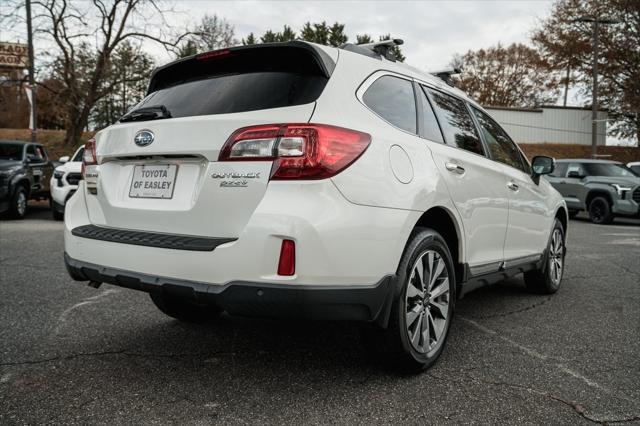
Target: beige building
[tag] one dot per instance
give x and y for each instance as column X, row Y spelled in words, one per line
column 553, row 124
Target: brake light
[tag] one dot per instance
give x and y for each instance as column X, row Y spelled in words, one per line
column 213, row 54
column 287, row 262
column 299, row 151
column 89, row 157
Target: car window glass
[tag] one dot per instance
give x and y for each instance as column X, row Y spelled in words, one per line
column 456, row 122
column 11, row 151
column 78, row 156
column 392, row 99
column 560, row 170
column 607, row 169
column 501, row 147
column 35, row 153
column 430, row 127
column 576, row 167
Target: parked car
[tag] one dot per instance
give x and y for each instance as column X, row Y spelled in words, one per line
column 25, row 171
column 635, row 166
column 64, row 182
column 319, row 183
column 605, row 189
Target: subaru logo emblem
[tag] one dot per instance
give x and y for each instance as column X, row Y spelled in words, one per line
column 144, row 137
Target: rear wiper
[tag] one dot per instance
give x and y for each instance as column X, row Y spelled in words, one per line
column 147, row 113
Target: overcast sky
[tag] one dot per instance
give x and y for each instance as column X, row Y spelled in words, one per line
column 432, row 30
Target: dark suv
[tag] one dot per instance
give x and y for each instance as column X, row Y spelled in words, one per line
column 25, row 171
column 604, row 189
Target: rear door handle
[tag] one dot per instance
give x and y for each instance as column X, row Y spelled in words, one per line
column 513, row 186
column 455, row 168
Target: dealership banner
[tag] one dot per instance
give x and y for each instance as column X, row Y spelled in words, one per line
column 14, row 55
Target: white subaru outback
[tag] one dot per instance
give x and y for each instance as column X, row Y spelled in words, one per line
column 299, row 180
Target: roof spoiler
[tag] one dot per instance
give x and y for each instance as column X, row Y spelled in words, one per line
column 445, row 75
column 324, row 62
column 375, row 50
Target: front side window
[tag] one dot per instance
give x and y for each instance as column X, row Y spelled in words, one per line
column 607, row 169
column 392, row 99
column 78, row 156
column 35, row 153
column 457, row 125
column 501, row 147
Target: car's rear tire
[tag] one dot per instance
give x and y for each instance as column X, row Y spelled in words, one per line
column 56, row 210
column 600, row 211
column 547, row 279
column 18, row 206
column 422, row 311
column 183, row 309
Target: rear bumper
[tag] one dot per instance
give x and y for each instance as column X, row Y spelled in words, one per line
column 370, row 303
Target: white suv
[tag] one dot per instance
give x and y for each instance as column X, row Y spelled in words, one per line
column 64, row 182
column 306, row 181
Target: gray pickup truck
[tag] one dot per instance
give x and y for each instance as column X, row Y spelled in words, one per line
column 604, row 189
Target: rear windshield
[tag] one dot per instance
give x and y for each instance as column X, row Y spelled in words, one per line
column 234, row 81
column 237, row 93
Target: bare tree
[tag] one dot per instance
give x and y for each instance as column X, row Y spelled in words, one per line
column 515, row 76
column 84, row 36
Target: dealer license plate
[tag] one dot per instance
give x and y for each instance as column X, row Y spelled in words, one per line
column 153, row 181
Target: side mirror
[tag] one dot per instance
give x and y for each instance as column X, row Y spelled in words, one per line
column 542, row 165
column 64, row 159
column 575, row 174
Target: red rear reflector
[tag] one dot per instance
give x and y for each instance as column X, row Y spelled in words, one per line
column 89, row 157
column 299, row 151
column 287, row 262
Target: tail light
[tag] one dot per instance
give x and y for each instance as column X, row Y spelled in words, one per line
column 299, row 151
column 287, row 262
column 89, row 157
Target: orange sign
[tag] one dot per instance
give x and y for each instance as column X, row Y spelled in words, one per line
column 14, row 55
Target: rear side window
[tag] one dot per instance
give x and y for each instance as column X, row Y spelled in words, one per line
column 456, row 122
column 560, row 170
column 430, row 128
column 501, row 147
column 392, row 99
column 235, row 81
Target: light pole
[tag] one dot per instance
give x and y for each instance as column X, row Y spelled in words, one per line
column 32, row 80
column 595, row 25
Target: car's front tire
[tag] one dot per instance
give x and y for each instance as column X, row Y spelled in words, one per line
column 18, row 206
column 422, row 311
column 183, row 309
column 547, row 279
column 573, row 213
column 600, row 211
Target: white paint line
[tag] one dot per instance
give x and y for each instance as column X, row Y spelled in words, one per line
column 534, row 354
column 524, row 349
column 62, row 319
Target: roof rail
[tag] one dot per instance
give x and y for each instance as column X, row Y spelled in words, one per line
column 375, row 50
column 445, row 75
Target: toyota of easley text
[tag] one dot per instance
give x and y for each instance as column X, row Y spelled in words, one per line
column 303, row 181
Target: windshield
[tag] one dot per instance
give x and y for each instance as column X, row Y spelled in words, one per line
column 608, row 169
column 78, row 156
column 11, row 152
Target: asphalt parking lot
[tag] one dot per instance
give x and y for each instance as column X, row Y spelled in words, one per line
column 76, row 355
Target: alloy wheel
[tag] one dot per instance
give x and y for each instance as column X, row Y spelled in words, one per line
column 427, row 301
column 21, row 203
column 556, row 256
